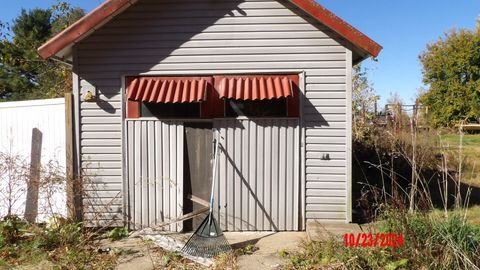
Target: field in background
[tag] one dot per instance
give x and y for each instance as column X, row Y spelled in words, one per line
column 470, row 153
column 471, row 165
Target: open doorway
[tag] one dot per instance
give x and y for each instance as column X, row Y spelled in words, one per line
column 198, row 158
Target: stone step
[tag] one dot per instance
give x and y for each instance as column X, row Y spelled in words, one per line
column 317, row 231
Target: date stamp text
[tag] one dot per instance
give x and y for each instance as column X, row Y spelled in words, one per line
column 373, row 240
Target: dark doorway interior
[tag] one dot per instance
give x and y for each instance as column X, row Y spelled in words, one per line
column 197, row 168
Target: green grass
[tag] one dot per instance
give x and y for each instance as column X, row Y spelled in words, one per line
column 471, row 166
column 472, row 214
column 468, row 139
column 470, row 153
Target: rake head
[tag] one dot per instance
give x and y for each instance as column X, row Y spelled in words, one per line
column 208, row 240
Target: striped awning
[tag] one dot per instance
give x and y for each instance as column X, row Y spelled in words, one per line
column 254, row 87
column 168, row 89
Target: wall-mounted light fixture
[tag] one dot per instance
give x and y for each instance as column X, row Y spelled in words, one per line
column 89, row 97
column 89, row 93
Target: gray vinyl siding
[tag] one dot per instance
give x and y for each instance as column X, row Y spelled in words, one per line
column 216, row 37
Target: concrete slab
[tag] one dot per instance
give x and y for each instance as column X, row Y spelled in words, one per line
column 266, row 256
column 175, row 242
column 140, row 263
column 135, row 253
column 317, row 231
column 268, row 243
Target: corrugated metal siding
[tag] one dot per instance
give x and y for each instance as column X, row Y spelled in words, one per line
column 205, row 37
column 259, row 175
column 254, row 88
column 168, row 90
column 155, row 172
column 258, row 179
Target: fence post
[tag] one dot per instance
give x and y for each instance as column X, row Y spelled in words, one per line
column 31, row 204
column 73, row 186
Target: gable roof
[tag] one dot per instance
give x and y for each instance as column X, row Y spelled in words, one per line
column 59, row 44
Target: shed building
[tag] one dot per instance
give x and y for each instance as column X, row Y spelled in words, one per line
column 152, row 79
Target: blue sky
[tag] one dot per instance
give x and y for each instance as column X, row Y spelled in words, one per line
column 403, row 28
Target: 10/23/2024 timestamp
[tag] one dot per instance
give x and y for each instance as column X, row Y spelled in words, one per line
column 373, row 240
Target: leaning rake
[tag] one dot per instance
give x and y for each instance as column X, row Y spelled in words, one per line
column 208, row 240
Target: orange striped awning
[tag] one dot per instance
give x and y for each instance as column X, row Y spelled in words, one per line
column 168, row 89
column 254, row 87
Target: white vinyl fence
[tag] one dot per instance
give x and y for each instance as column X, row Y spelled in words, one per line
column 17, row 119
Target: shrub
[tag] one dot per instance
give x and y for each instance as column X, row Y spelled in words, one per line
column 11, row 228
column 225, row 261
column 117, row 233
column 64, row 244
column 171, row 256
column 69, row 234
column 247, row 250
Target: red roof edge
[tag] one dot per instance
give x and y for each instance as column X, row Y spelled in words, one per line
column 110, row 7
column 340, row 26
column 82, row 26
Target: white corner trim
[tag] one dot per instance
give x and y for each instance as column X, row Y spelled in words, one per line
column 348, row 172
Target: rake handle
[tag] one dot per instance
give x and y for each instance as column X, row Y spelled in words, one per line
column 215, row 160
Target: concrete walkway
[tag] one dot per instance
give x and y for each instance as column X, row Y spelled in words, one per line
column 268, row 243
column 266, row 255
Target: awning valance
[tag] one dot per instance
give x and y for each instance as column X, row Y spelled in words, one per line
column 254, row 87
column 168, row 89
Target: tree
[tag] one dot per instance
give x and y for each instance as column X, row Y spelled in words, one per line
column 451, row 69
column 23, row 74
column 363, row 101
column 363, row 96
